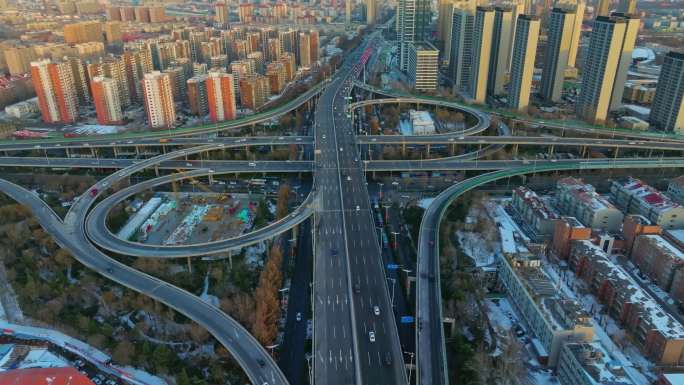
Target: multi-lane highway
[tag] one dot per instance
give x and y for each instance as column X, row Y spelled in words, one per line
column 355, row 338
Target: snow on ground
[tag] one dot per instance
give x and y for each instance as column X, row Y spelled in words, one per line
column 141, row 376
column 205, row 296
column 483, row 253
column 425, row 202
column 42, row 358
column 497, row 314
column 85, row 351
column 542, row 378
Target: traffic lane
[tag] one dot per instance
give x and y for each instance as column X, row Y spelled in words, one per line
column 224, row 166
column 172, row 296
column 94, row 142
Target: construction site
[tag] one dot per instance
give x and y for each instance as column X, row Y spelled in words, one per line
column 180, row 217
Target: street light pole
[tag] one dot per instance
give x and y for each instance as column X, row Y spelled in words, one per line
column 393, row 282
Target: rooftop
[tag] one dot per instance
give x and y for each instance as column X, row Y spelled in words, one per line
column 49, row 376
column 584, row 193
column 540, row 208
column 598, row 363
column 560, row 312
column 651, row 312
column 647, row 195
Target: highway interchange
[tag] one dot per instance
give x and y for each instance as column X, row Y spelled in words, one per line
column 349, row 278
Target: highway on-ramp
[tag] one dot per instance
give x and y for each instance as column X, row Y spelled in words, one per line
column 431, row 360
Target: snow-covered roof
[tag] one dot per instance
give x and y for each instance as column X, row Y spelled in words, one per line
column 584, row 193
column 538, row 206
column 646, row 195
column 597, row 363
column 665, row 246
column 651, row 312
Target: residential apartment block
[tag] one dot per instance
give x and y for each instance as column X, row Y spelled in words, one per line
column 590, row 364
column 636, row 197
column 552, row 319
column 538, row 216
column 580, row 200
column 654, row 331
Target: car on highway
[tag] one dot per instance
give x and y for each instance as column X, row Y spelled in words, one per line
column 348, row 177
column 298, row 317
column 261, row 362
column 357, row 288
column 376, row 310
column 251, row 164
column 358, row 208
column 371, row 336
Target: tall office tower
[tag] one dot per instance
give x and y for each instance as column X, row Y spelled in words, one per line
column 142, row 14
column 482, row 49
column 314, row 49
column 447, row 8
column 413, row 25
column 161, row 112
column 127, row 13
column 54, row 85
column 112, row 31
column 501, row 50
column 258, row 59
column 273, row 49
column 114, row 68
column 371, row 8
column 157, row 14
column 137, row 63
column 254, row 91
column 83, row 32
column 276, row 76
column 245, row 13
column 667, row 111
column 602, row 8
column 178, row 81
column 522, row 65
column 627, row 6
column 19, row 59
column 222, row 14
column 106, row 100
column 347, row 11
column 288, row 40
column 423, row 66
column 288, row 61
column 113, row 13
column 558, row 44
column 197, row 95
column 220, row 96
column 605, row 69
column 78, row 73
column 304, row 51
column 461, row 62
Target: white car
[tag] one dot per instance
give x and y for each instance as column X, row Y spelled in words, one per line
column 252, row 164
column 358, row 208
column 371, row 336
column 348, row 178
column 376, row 310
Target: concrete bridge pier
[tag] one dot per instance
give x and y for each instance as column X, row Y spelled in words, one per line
column 427, row 149
column 617, row 151
column 156, row 170
column 551, row 148
column 116, row 152
column 68, row 153
column 515, row 150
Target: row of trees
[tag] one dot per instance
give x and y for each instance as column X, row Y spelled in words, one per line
column 265, row 328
